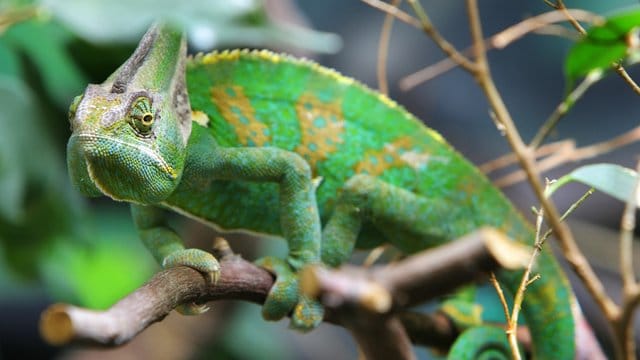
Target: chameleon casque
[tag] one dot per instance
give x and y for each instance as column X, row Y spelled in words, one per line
column 267, row 143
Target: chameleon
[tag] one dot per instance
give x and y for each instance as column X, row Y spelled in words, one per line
column 271, row 144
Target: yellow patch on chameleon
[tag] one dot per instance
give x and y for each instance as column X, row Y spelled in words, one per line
column 236, row 108
column 399, row 153
column 321, row 126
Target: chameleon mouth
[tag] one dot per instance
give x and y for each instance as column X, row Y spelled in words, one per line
column 90, row 142
column 121, row 170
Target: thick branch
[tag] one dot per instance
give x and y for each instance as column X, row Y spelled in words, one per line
column 419, row 278
column 364, row 298
column 239, row 280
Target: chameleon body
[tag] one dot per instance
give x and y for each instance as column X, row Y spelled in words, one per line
column 280, row 146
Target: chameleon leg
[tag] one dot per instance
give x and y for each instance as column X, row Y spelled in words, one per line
column 299, row 221
column 167, row 248
column 412, row 222
column 408, row 221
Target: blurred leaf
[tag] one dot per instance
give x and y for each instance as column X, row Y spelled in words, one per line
column 44, row 43
column 604, row 44
column 9, row 62
column 613, row 180
column 98, row 272
column 37, row 204
column 97, row 276
column 209, row 23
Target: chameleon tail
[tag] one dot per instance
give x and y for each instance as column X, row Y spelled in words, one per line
column 547, row 309
column 481, row 343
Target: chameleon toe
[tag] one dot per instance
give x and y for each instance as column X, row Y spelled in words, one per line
column 307, row 315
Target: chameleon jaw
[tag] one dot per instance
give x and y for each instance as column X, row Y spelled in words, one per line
column 122, row 170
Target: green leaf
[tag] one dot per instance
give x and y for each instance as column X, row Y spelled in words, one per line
column 613, row 180
column 37, row 204
column 45, row 43
column 209, row 23
column 603, row 45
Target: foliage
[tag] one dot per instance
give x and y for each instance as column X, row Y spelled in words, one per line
column 613, row 180
column 604, row 44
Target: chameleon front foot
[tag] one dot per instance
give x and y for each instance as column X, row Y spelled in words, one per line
column 284, row 298
column 197, row 259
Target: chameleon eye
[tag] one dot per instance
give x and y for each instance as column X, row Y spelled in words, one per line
column 141, row 115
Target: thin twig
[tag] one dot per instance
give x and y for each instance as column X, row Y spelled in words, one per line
column 627, row 225
column 383, row 50
column 620, row 70
column 560, row 152
column 497, row 41
column 564, row 107
column 571, row 208
column 395, row 12
column 630, row 288
column 574, row 255
column 503, row 300
column 439, row 40
column 524, row 283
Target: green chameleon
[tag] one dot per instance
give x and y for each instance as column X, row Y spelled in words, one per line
column 270, row 144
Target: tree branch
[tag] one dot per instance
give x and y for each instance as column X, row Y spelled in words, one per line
column 364, row 299
column 241, row 280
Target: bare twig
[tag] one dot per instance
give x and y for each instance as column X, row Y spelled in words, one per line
column 395, row 12
column 568, row 212
column 503, row 300
column 497, row 41
column 439, row 40
column 558, row 153
column 623, row 324
column 574, row 255
column 383, row 50
column 563, row 108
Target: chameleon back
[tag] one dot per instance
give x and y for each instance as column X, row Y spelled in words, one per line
column 343, row 128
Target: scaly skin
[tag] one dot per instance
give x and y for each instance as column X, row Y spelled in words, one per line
column 266, row 125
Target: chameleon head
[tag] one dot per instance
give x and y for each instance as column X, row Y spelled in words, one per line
column 130, row 133
column 128, row 146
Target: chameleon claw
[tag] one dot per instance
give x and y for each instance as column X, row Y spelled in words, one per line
column 214, row 276
column 192, row 309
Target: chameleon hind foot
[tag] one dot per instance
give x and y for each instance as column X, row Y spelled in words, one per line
column 284, row 298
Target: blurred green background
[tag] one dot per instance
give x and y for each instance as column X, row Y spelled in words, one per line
column 56, row 246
